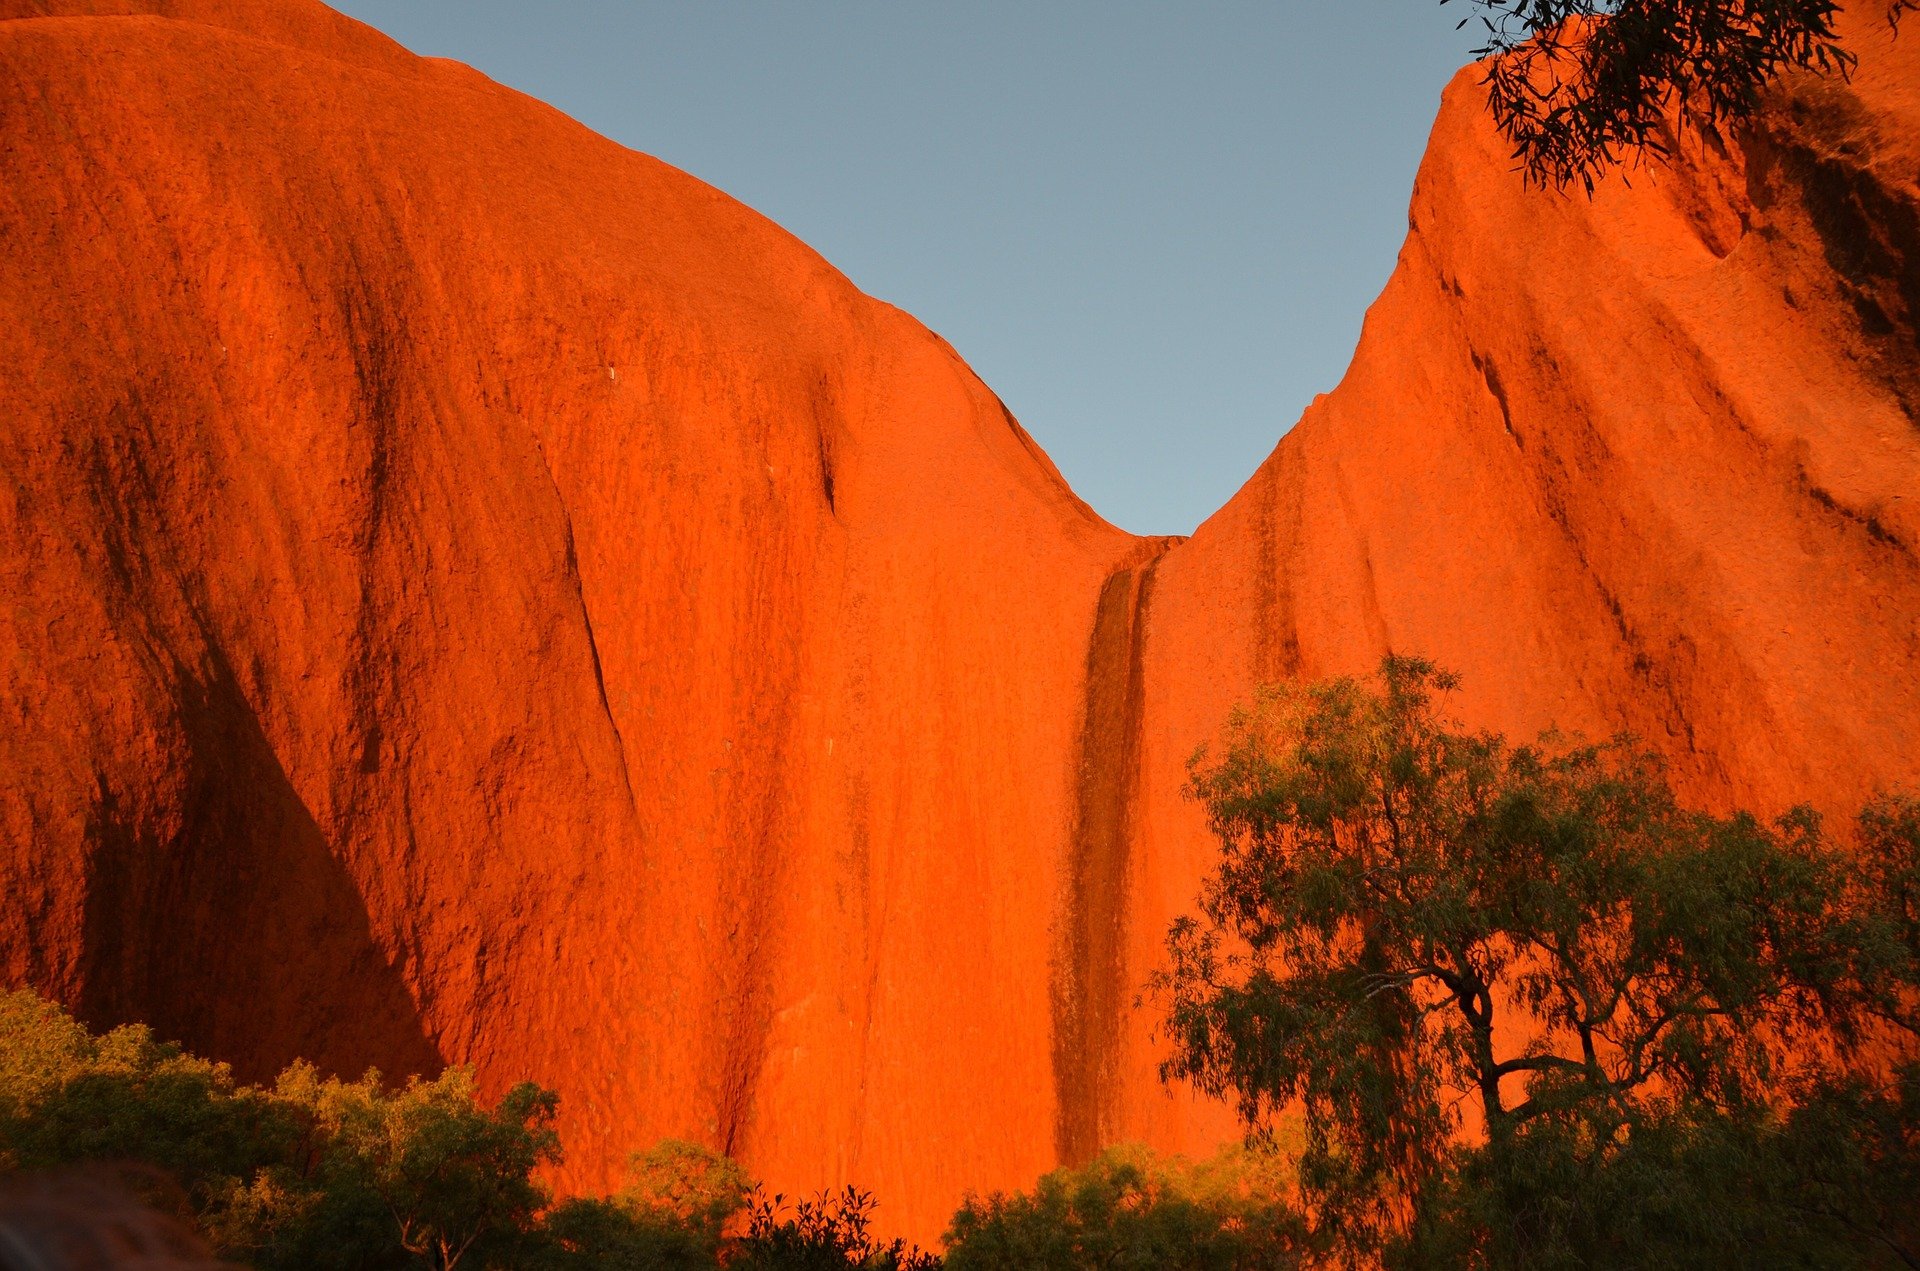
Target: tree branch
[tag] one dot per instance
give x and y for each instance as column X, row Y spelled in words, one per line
column 1537, row 1063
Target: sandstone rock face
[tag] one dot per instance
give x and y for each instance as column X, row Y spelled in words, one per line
column 1646, row 464
column 472, row 593
column 475, row 593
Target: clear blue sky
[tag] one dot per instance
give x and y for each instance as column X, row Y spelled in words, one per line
column 1152, row 227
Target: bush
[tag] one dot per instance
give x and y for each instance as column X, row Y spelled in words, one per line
column 827, row 1233
column 671, row 1215
column 310, row 1174
column 323, row 1174
column 428, row 1168
column 686, row 1187
column 68, row 1097
column 1128, row 1208
column 599, row 1234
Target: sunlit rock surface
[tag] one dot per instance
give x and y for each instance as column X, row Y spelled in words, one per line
column 472, row 593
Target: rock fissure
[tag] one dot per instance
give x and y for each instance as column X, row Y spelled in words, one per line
column 1090, row 984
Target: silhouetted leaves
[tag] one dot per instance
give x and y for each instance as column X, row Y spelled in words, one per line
column 1579, row 86
column 827, row 1233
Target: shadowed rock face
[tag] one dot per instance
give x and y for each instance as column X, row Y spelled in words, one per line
column 472, row 593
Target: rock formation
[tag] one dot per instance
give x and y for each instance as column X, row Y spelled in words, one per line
column 1646, row 464
column 473, row 593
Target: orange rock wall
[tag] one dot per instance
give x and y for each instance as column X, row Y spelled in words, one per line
column 473, row 593
column 1649, row 463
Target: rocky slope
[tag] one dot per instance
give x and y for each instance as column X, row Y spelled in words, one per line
column 473, row 593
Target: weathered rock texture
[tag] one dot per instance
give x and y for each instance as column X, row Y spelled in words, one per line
column 1649, row 463
column 473, row 593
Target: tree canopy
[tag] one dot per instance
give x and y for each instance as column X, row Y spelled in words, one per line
column 1495, row 975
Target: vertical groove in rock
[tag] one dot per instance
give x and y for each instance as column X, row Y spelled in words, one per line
column 1089, row 975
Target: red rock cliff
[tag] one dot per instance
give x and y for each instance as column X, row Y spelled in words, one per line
column 474, row 593
column 1649, row 463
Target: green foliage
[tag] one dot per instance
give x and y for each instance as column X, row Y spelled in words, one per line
column 68, row 1097
column 828, row 1233
column 1409, row 915
column 672, row 1214
column 1827, row 1182
column 1580, row 85
column 317, row 1173
column 428, row 1168
column 684, row 1185
column 1887, row 887
column 596, row 1234
column 1676, row 1036
column 310, row 1174
column 1130, row 1209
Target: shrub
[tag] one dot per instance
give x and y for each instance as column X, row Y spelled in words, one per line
column 827, row 1233
column 428, row 1168
column 68, row 1097
column 310, row 1174
column 1128, row 1208
column 671, row 1215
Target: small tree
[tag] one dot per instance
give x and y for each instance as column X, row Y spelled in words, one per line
column 1410, row 918
column 453, row 1176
